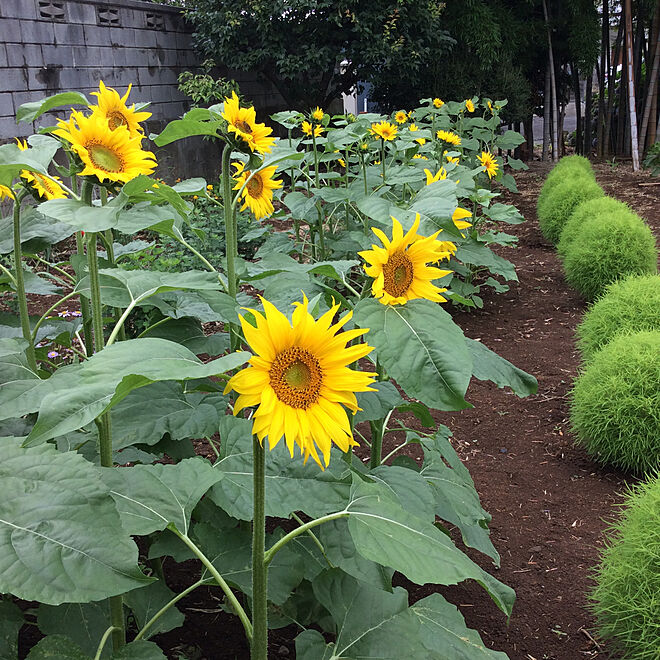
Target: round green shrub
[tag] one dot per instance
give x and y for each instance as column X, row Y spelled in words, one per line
column 556, row 205
column 575, row 161
column 606, row 248
column 629, row 305
column 626, row 599
column 615, row 403
column 559, row 174
column 583, row 213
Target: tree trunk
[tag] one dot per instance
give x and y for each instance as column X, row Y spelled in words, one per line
column 578, row 109
column 611, row 80
column 553, row 86
column 547, row 114
column 651, row 101
column 630, row 61
column 529, row 136
column 604, row 66
column 588, row 102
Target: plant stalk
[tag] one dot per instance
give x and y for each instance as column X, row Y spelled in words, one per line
column 259, row 647
column 230, row 237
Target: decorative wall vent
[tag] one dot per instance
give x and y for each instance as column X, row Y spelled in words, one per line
column 53, row 11
column 155, row 21
column 107, row 16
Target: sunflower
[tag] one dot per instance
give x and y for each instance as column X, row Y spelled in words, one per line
column 438, row 176
column 299, row 379
column 400, row 269
column 108, row 155
column 413, row 127
column 469, row 106
column 42, row 185
column 458, row 218
column 489, row 163
column 421, row 141
column 114, row 110
column 451, row 159
column 258, row 193
column 307, row 129
column 364, row 146
column 384, row 130
column 6, row 192
column 317, row 114
column 420, row 157
column 449, row 137
column 243, row 123
column 438, row 103
column 401, row 117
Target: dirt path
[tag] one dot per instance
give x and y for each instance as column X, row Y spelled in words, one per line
column 549, row 502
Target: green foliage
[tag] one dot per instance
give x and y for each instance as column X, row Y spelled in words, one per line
column 556, row 204
column 625, row 600
column 629, row 305
column 606, row 248
column 574, row 160
column 203, row 88
column 615, row 405
column 652, row 160
column 584, row 212
column 384, row 36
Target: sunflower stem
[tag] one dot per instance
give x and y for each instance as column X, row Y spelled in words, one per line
column 20, row 286
column 109, row 240
column 230, row 238
column 382, row 156
column 85, row 310
column 259, row 647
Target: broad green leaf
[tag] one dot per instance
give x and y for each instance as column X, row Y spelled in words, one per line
column 516, row 164
column 146, row 602
column 455, row 497
column 151, row 497
column 384, row 532
column 479, row 254
column 39, row 285
column 140, row 650
column 288, row 118
column 37, row 232
column 183, row 128
column 190, row 186
column 57, row 647
column 61, row 538
column 148, row 413
column 408, row 488
column 76, row 394
column 509, row 182
column 121, row 288
column 488, row 365
column 34, row 109
column 376, row 405
column 83, row 623
column 504, row 213
column 291, row 485
column 509, row 140
column 311, row 645
column 206, row 306
column 300, row 205
column 11, row 621
column 79, row 215
column 13, row 160
column 144, row 215
column 421, row 348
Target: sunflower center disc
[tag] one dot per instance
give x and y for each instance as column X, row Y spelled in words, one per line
column 397, row 274
column 296, row 377
column 105, row 158
column 243, row 126
column 115, row 120
column 255, row 186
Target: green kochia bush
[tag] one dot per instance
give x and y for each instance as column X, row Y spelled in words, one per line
column 600, row 206
column 608, row 247
column 615, row 406
column 630, row 305
column 556, row 205
column 626, row 600
column 563, row 172
column 579, row 162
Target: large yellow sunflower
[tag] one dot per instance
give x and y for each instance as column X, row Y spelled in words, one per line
column 438, row 176
column 6, row 192
column 43, row 185
column 258, row 193
column 469, row 105
column 307, row 129
column 299, row 379
column 489, row 163
column 438, row 103
column 449, row 137
column 384, row 130
column 401, row 117
column 243, row 122
column 400, row 269
column 114, row 110
column 108, row 155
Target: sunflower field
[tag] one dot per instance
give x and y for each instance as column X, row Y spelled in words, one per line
column 310, row 348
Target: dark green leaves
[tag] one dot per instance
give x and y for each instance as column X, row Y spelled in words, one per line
column 34, row 109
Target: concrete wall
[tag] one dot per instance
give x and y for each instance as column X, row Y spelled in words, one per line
column 49, row 46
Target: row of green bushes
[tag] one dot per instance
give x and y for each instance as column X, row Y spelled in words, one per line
column 609, row 255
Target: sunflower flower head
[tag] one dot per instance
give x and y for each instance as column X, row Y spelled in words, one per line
column 317, row 114
column 307, row 129
column 451, row 159
column 438, row 103
column 438, row 176
column 401, row 117
column 420, row 157
column 449, row 137
column 384, row 130
column 413, row 127
column 6, row 192
column 489, row 163
column 113, row 109
column 243, row 123
column 109, row 155
column 401, row 269
column 43, row 186
column 299, row 380
column 469, row 106
column 458, row 218
column 257, row 194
